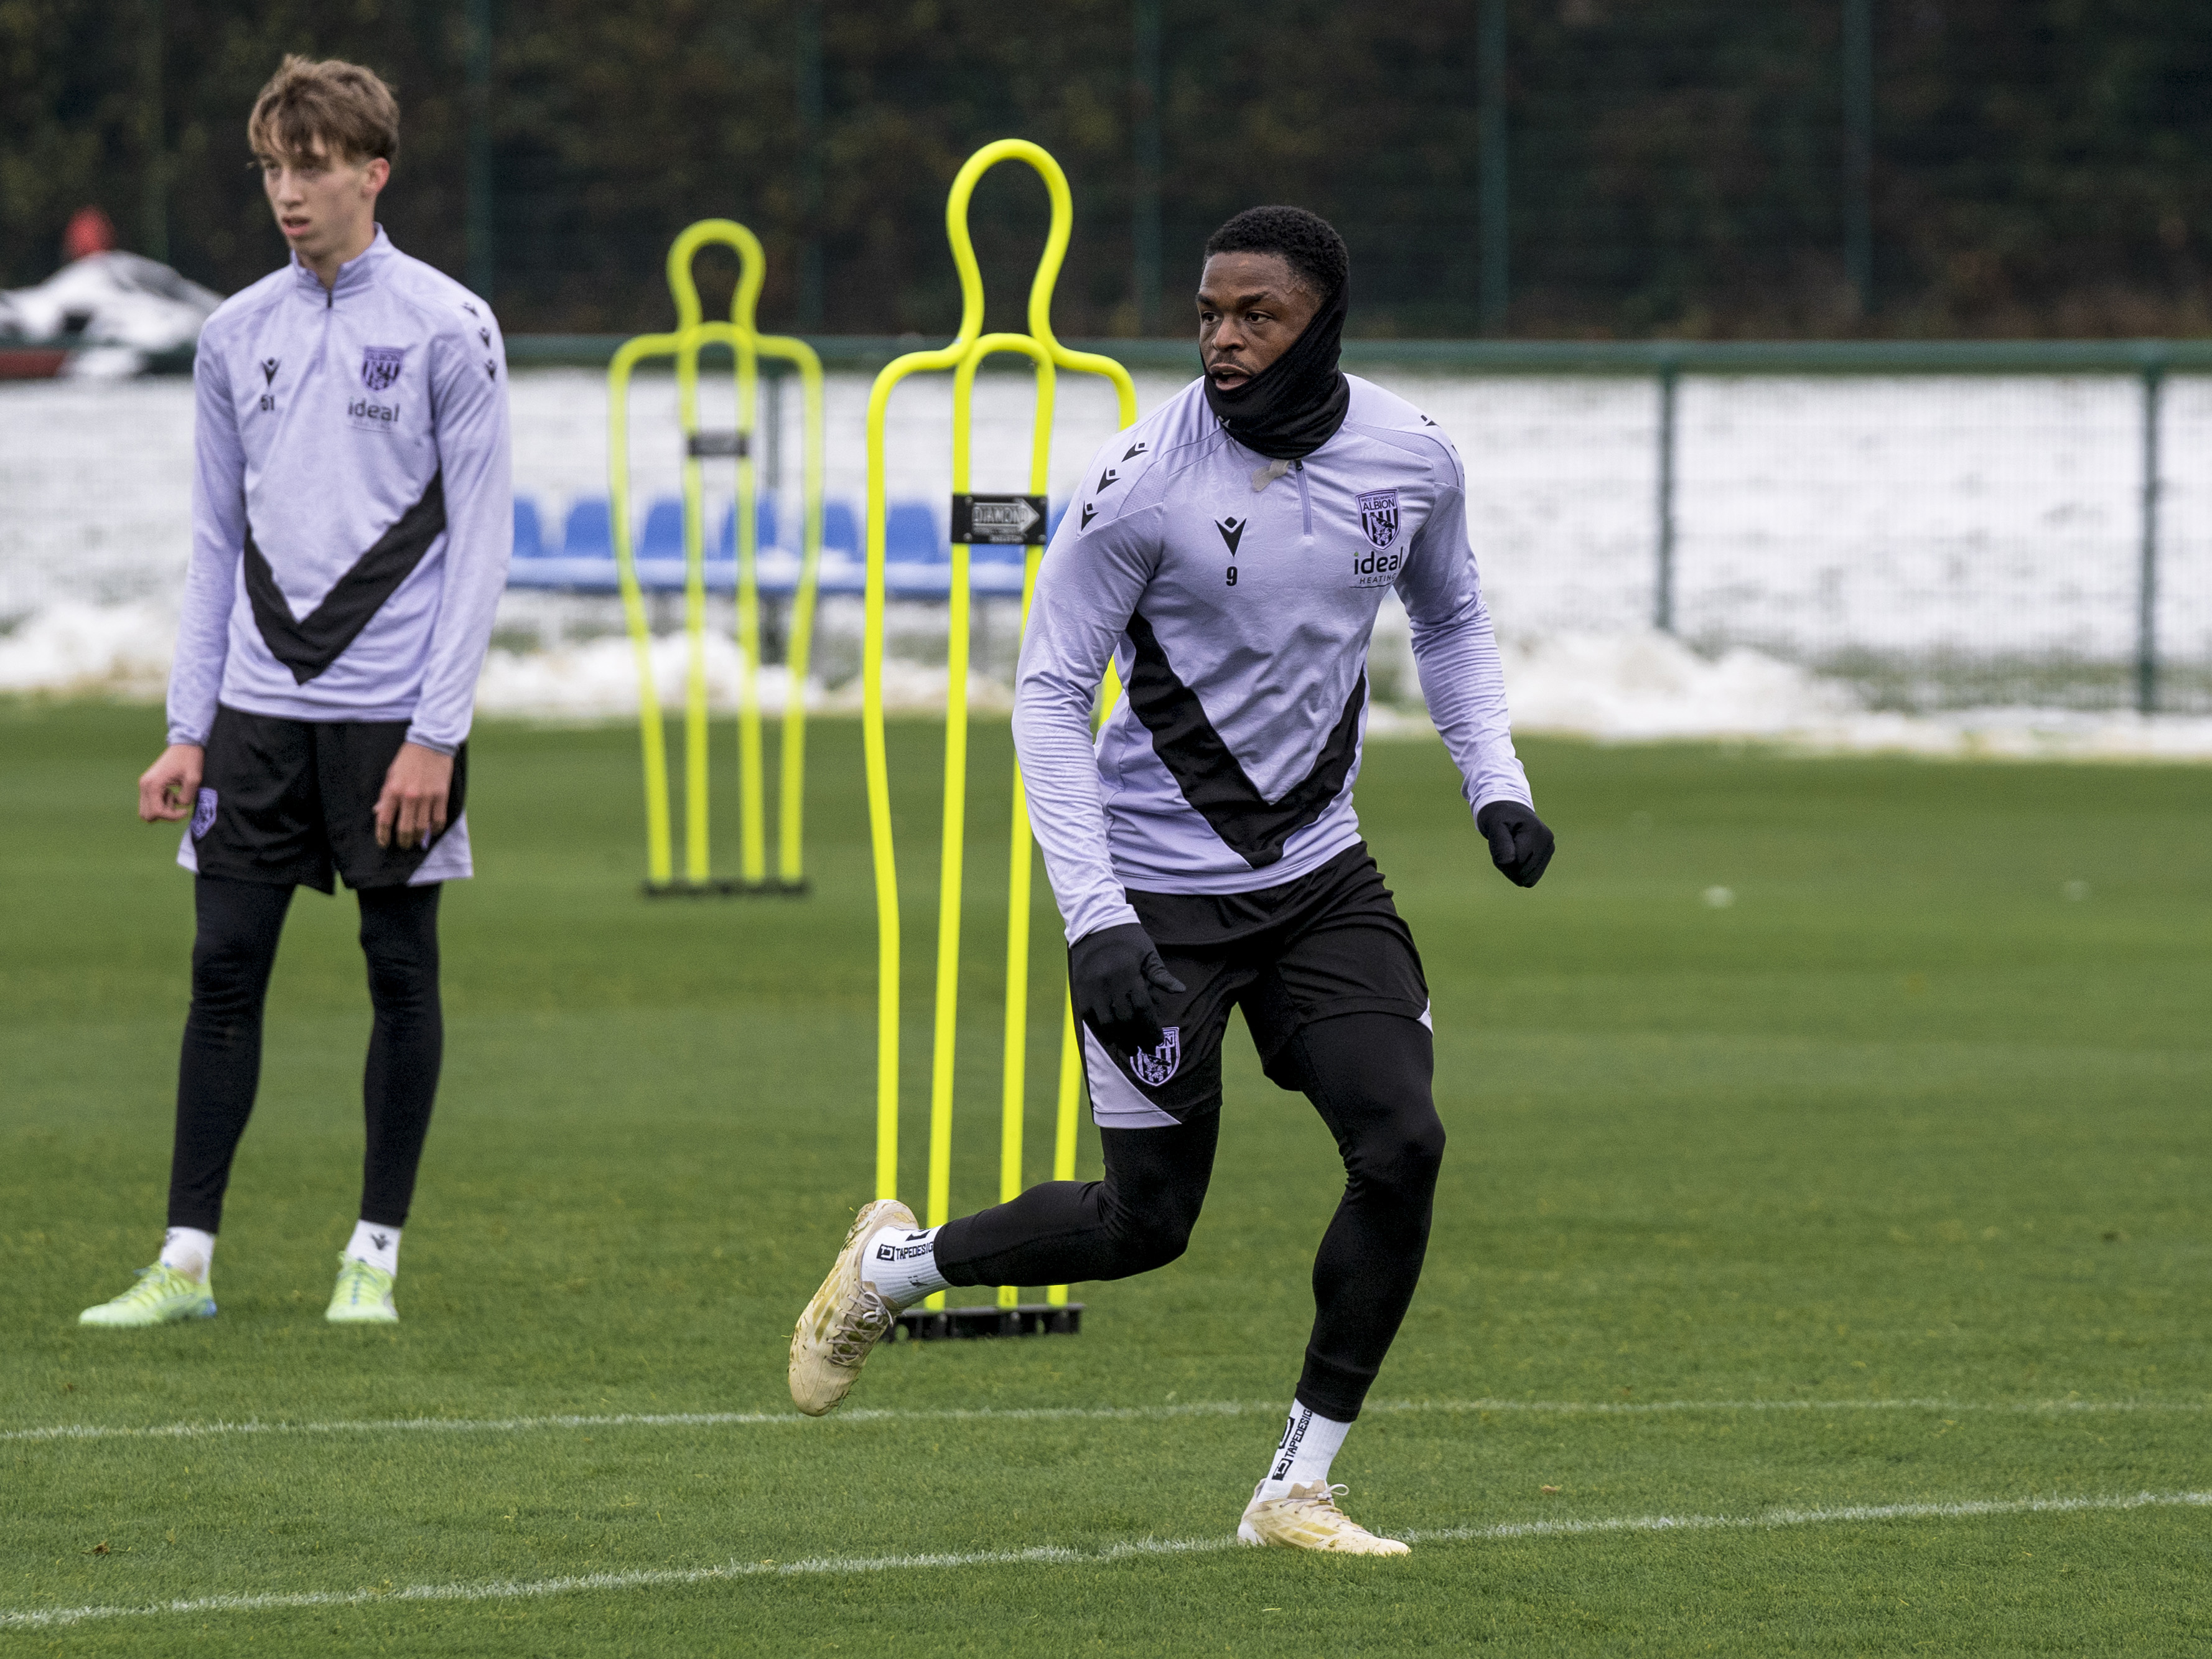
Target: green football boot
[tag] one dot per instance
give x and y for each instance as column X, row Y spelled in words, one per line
column 363, row 1296
column 161, row 1294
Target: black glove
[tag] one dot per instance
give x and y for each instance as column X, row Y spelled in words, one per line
column 1114, row 973
column 1520, row 845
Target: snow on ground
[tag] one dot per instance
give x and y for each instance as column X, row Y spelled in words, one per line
column 594, row 679
column 1903, row 518
column 1647, row 686
column 75, row 648
column 1630, row 686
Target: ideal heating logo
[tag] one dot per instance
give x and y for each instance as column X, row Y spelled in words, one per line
column 367, row 411
column 1379, row 517
column 1376, row 569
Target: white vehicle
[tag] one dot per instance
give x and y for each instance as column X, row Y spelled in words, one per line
column 111, row 311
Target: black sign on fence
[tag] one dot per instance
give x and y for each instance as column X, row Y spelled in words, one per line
column 998, row 520
column 706, row 444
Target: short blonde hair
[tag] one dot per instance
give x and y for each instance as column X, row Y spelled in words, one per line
column 342, row 109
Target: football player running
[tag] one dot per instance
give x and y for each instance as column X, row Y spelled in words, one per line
column 352, row 523
column 1228, row 554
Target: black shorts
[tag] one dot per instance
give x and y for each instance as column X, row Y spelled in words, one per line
column 1329, row 943
column 287, row 802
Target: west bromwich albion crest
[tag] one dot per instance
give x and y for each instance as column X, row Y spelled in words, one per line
column 380, row 367
column 1153, row 1067
column 1378, row 516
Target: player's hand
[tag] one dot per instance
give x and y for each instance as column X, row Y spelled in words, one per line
column 1114, row 972
column 411, row 809
column 1520, row 845
column 168, row 789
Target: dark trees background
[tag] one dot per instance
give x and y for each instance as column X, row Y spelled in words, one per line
column 2041, row 167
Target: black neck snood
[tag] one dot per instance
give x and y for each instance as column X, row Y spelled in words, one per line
column 1294, row 405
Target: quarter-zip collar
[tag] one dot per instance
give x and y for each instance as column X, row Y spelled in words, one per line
column 1264, row 475
column 355, row 276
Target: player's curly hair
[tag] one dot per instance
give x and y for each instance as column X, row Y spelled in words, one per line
column 1308, row 242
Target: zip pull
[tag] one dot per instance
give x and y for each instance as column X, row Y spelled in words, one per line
column 1268, row 475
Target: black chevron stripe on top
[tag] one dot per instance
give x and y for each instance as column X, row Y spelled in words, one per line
column 1212, row 778
column 313, row 643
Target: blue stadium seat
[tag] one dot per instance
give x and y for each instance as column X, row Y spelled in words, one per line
column 725, row 545
column 529, row 538
column 841, row 528
column 587, row 535
column 910, row 535
column 664, row 530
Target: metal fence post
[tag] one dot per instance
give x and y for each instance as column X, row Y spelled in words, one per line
column 807, row 78
column 772, row 434
column 1858, row 151
column 1144, row 225
column 1662, row 600
column 153, row 195
column 1492, row 227
column 478, row 222
column 2154, row 382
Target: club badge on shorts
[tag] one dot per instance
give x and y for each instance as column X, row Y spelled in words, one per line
column 380, row 366
column 1378, row 517
column 203, row 813
column 1155, row 1066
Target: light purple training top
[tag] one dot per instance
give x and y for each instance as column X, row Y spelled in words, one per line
column 352, row 512
column 1235, row 597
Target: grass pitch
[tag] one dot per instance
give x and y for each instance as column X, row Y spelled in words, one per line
column 1824, row 1270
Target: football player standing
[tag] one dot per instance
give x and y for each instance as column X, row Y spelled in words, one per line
column 352, row 523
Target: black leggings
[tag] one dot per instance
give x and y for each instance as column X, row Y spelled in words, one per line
column 240, row 923
column 1369, row 1075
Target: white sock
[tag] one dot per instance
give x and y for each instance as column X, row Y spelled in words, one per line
column 377, row 1245
column 188, row 1250
column 1310, row 1444
column 903, row 1265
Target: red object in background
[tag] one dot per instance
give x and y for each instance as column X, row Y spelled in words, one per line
column 90, row 231
column 40, row 364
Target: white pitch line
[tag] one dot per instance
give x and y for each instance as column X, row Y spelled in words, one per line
column 507, row 1589
column 1058, row 1414
column 632, row 1420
